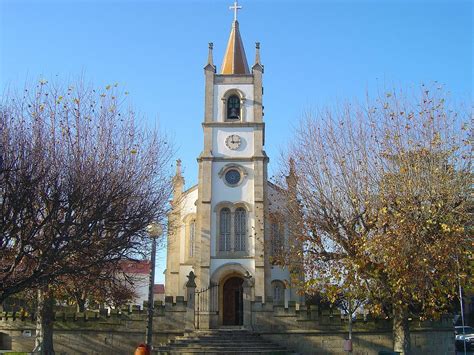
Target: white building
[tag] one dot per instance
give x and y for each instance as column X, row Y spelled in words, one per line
column 226, row 227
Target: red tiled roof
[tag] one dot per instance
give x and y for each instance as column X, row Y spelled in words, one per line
column 158, row 288
column 135, row 267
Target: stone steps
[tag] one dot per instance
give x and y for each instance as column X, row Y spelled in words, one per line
column 221, row 341
column 222, row 345
column 218, row 342
column 222, row 352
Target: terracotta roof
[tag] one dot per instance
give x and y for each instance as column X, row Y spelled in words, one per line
column 158, row 288
column 135, row 267
column 235, row 61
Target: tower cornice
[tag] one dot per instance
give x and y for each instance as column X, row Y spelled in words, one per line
column 233, row 79
column 234, row 124
column 262, row 157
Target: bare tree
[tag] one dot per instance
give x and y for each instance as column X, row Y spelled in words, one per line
column 384, row 191
column 98, row 287
column 79, row 182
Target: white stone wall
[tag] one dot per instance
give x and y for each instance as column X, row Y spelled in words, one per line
column 188, row 206
column 241, row 193
column 140, row 286
column 220, row 149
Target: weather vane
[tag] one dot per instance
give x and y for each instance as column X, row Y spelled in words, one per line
column 236, row 7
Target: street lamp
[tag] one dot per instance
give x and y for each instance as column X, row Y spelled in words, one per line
column 154, row 231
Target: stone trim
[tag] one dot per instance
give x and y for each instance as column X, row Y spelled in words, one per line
column 191, row 189
column 234, row 159
column 234, row 124
column 231, row 205
column 243, row 173
column 232, row 256
column 227, row 270
column 233, row 79
column 225, row 98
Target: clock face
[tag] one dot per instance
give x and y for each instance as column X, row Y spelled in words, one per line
column 233, row 142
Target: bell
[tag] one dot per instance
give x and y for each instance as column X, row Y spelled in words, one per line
column 234, row 113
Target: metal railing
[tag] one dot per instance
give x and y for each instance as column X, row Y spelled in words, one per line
column 206, row 303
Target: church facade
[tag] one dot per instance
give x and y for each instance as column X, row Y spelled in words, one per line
column 228, row 227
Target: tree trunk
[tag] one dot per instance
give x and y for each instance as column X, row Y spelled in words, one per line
column 350, row 329
column 351, row 308
column 401, row 331
column 44, row 323
column 81, row 305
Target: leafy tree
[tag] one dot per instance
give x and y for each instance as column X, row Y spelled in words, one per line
column 383, row 191
column 79, row 183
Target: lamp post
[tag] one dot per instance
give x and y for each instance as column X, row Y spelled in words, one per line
column 154, row 231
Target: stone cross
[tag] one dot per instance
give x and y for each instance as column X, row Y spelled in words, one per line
column 236, row 8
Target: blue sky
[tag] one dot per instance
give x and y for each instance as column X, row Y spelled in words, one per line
column 316, row 53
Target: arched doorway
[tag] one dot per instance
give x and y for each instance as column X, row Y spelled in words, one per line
column 233, row 302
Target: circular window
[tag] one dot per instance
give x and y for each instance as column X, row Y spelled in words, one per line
column 232, row 177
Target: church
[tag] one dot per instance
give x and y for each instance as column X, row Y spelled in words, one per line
column 228, row 228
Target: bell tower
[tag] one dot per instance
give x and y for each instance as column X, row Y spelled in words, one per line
column 232, row 180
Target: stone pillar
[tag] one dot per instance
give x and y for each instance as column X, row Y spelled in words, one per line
column 190, row 294
column 248, row 298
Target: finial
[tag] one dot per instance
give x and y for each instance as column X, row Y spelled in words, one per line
column 291, row 178
column 236, row 8
column 191, row 277
column 257, row 52
column 178, row 182
column 209, row 57
column 178, row 167
column 292, row 166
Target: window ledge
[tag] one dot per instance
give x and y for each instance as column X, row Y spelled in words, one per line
column 232, row 255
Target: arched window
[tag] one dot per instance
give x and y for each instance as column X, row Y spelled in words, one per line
column 224, row 231
column 233, row 108
column 277, row 238
column 240, row 229
column 278, row 292
column 192, row 238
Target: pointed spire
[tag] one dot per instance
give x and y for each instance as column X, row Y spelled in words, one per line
column 178, row 182
column 178, row 167
column 257, row 53
column 291, row 178
column 210, row 61
column 258, row 65
column 209, row 56
column 235, row 61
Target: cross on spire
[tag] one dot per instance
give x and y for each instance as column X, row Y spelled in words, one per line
column 236, row 7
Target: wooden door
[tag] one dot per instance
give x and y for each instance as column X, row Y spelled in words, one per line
column 233, row 301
